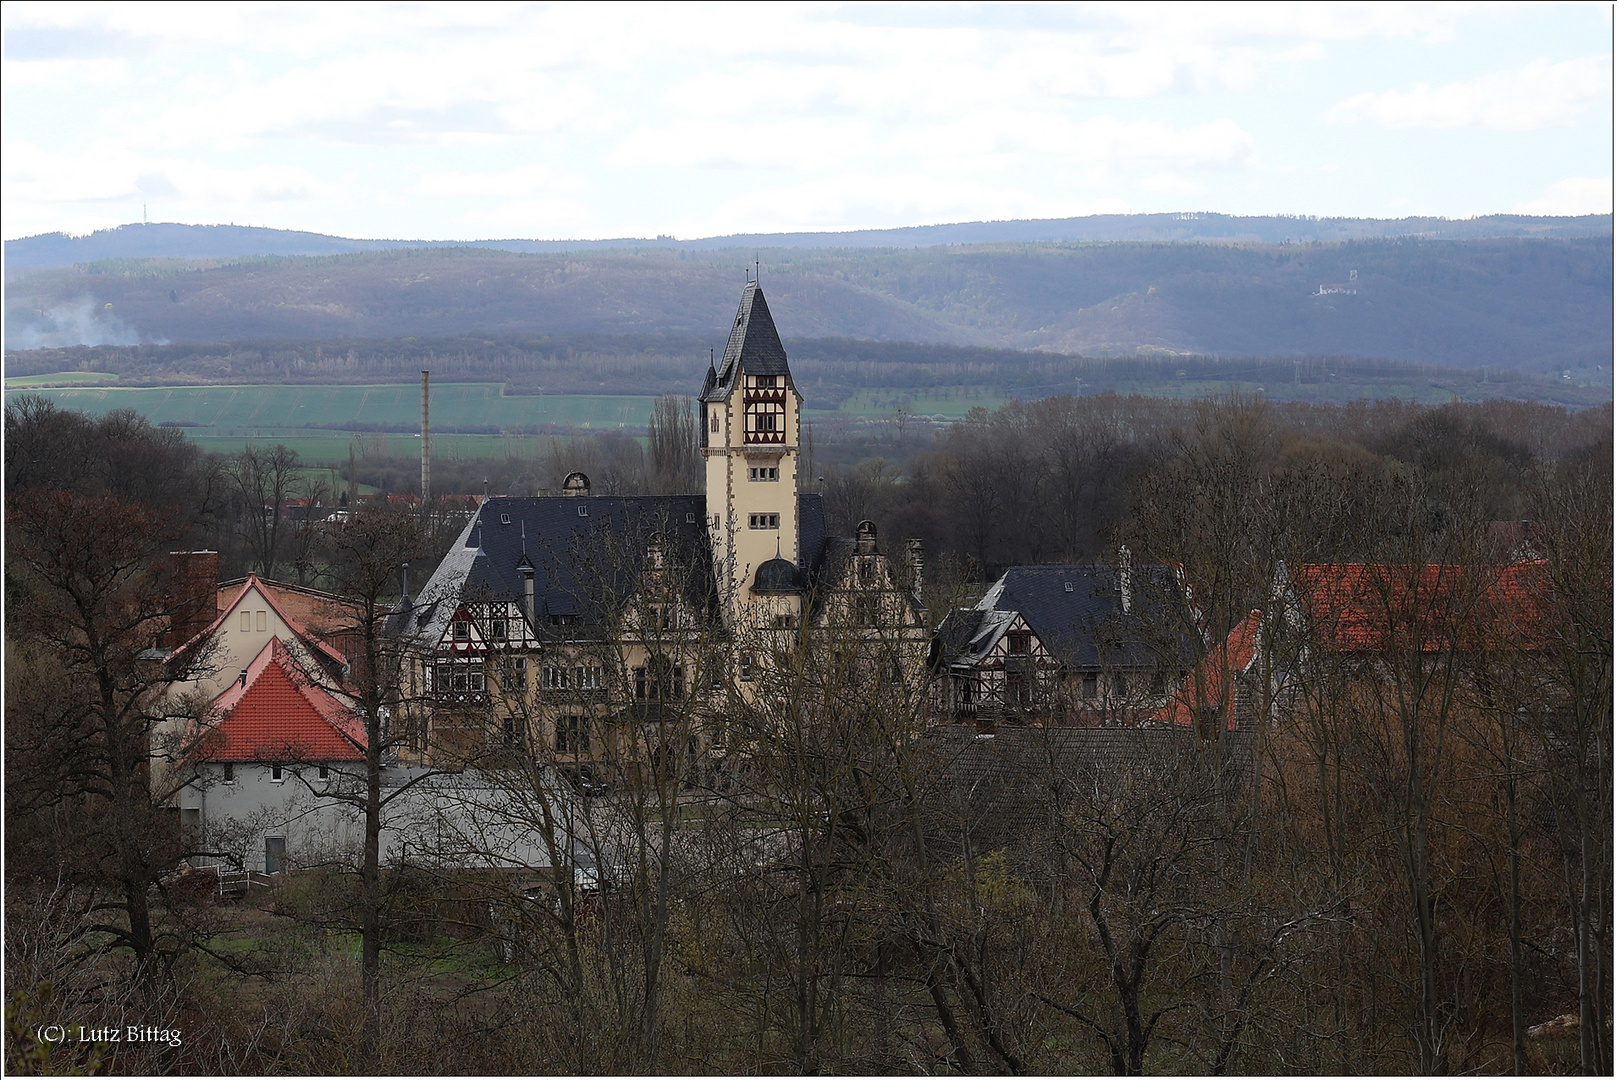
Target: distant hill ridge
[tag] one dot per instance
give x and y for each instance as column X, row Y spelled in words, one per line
column 169, row 240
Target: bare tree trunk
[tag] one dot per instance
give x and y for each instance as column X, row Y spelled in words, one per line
column 371, row 909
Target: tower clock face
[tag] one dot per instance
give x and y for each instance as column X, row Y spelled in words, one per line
column 766, row 414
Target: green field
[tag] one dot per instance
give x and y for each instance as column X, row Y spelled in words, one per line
column 231, row 410
column 62, row 378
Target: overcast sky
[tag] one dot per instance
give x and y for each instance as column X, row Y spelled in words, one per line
column 475, row 121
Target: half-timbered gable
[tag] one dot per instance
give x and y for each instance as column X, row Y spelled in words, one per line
column 1085, row 644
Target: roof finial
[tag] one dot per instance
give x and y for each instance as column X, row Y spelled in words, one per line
column 524, row 536
column 757, row 267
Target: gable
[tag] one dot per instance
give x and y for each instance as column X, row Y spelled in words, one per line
column 277, row 713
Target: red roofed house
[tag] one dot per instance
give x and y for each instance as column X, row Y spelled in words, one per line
column 270, row 746
column 1366, row 608
column 1217, row 693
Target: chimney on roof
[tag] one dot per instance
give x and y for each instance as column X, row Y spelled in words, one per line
column 243, row 676
column 526, row 568
column 1125, row 578
column 864, row 538
column 914, row 545
column 193, row 594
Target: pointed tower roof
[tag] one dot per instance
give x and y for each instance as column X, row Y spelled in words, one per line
column 754, row 345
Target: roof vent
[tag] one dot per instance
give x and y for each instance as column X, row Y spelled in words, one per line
column 690, row 519
column 1068, row 584
column 505, row 519
column 583, row 511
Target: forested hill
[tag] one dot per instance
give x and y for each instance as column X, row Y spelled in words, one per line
column 175, row 241
column 1525, row 304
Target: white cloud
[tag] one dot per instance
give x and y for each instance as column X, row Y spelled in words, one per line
column 64, row 74
column 1574, row 195
column 1538, row 95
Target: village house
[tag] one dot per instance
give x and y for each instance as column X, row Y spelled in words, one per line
column 1088, row 645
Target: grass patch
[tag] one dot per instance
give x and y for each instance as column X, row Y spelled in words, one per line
column 61, row 378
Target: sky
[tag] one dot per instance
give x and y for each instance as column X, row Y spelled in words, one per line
column 479, row 121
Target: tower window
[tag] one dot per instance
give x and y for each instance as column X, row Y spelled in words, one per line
column 764, row 473
column 713, row 423
column 763, row 521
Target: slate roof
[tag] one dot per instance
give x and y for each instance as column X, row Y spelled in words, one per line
column 1075, row 609
column 278, row 714
column 754, row 345
column 581, row 551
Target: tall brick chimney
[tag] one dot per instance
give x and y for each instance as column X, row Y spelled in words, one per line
column 193, row 582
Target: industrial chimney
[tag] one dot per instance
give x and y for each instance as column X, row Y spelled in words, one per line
column 426, row 436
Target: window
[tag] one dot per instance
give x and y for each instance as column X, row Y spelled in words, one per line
column 968, row 689
column 749, row 665
column 763, row 521
column 274, row 854
column 1018, row 643
column 867, row 571
column 462, row 630
column 513, row 673
column 866, row 611
column 766, row 382
column 460, row 678
column 1120, row 686
column 516, row 732
column 1090, row 684
column 275, row 774
column 658, row 680
column 764, row 473
column 556, row 678
column 572, row 735
column 230, row 772
column 261, row 622
column 496, row 629
column 325, row 773
column 587, row 678
column 246, row 622
column 713, row 423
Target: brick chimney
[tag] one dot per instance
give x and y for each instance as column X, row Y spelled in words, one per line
column 193, row 583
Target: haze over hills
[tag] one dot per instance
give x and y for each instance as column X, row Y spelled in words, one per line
column 1529, row 304
column 167, row 240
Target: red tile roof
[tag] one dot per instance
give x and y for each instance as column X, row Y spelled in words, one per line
column 278, row 714
column 1368, row 607
column 1211, row 684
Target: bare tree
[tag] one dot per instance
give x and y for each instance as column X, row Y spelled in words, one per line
column 264, row 480
column 672, row 437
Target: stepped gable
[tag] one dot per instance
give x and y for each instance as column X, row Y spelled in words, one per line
column 277, row 713
column 754, row 346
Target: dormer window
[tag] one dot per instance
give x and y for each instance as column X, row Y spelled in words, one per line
column 462, row 630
